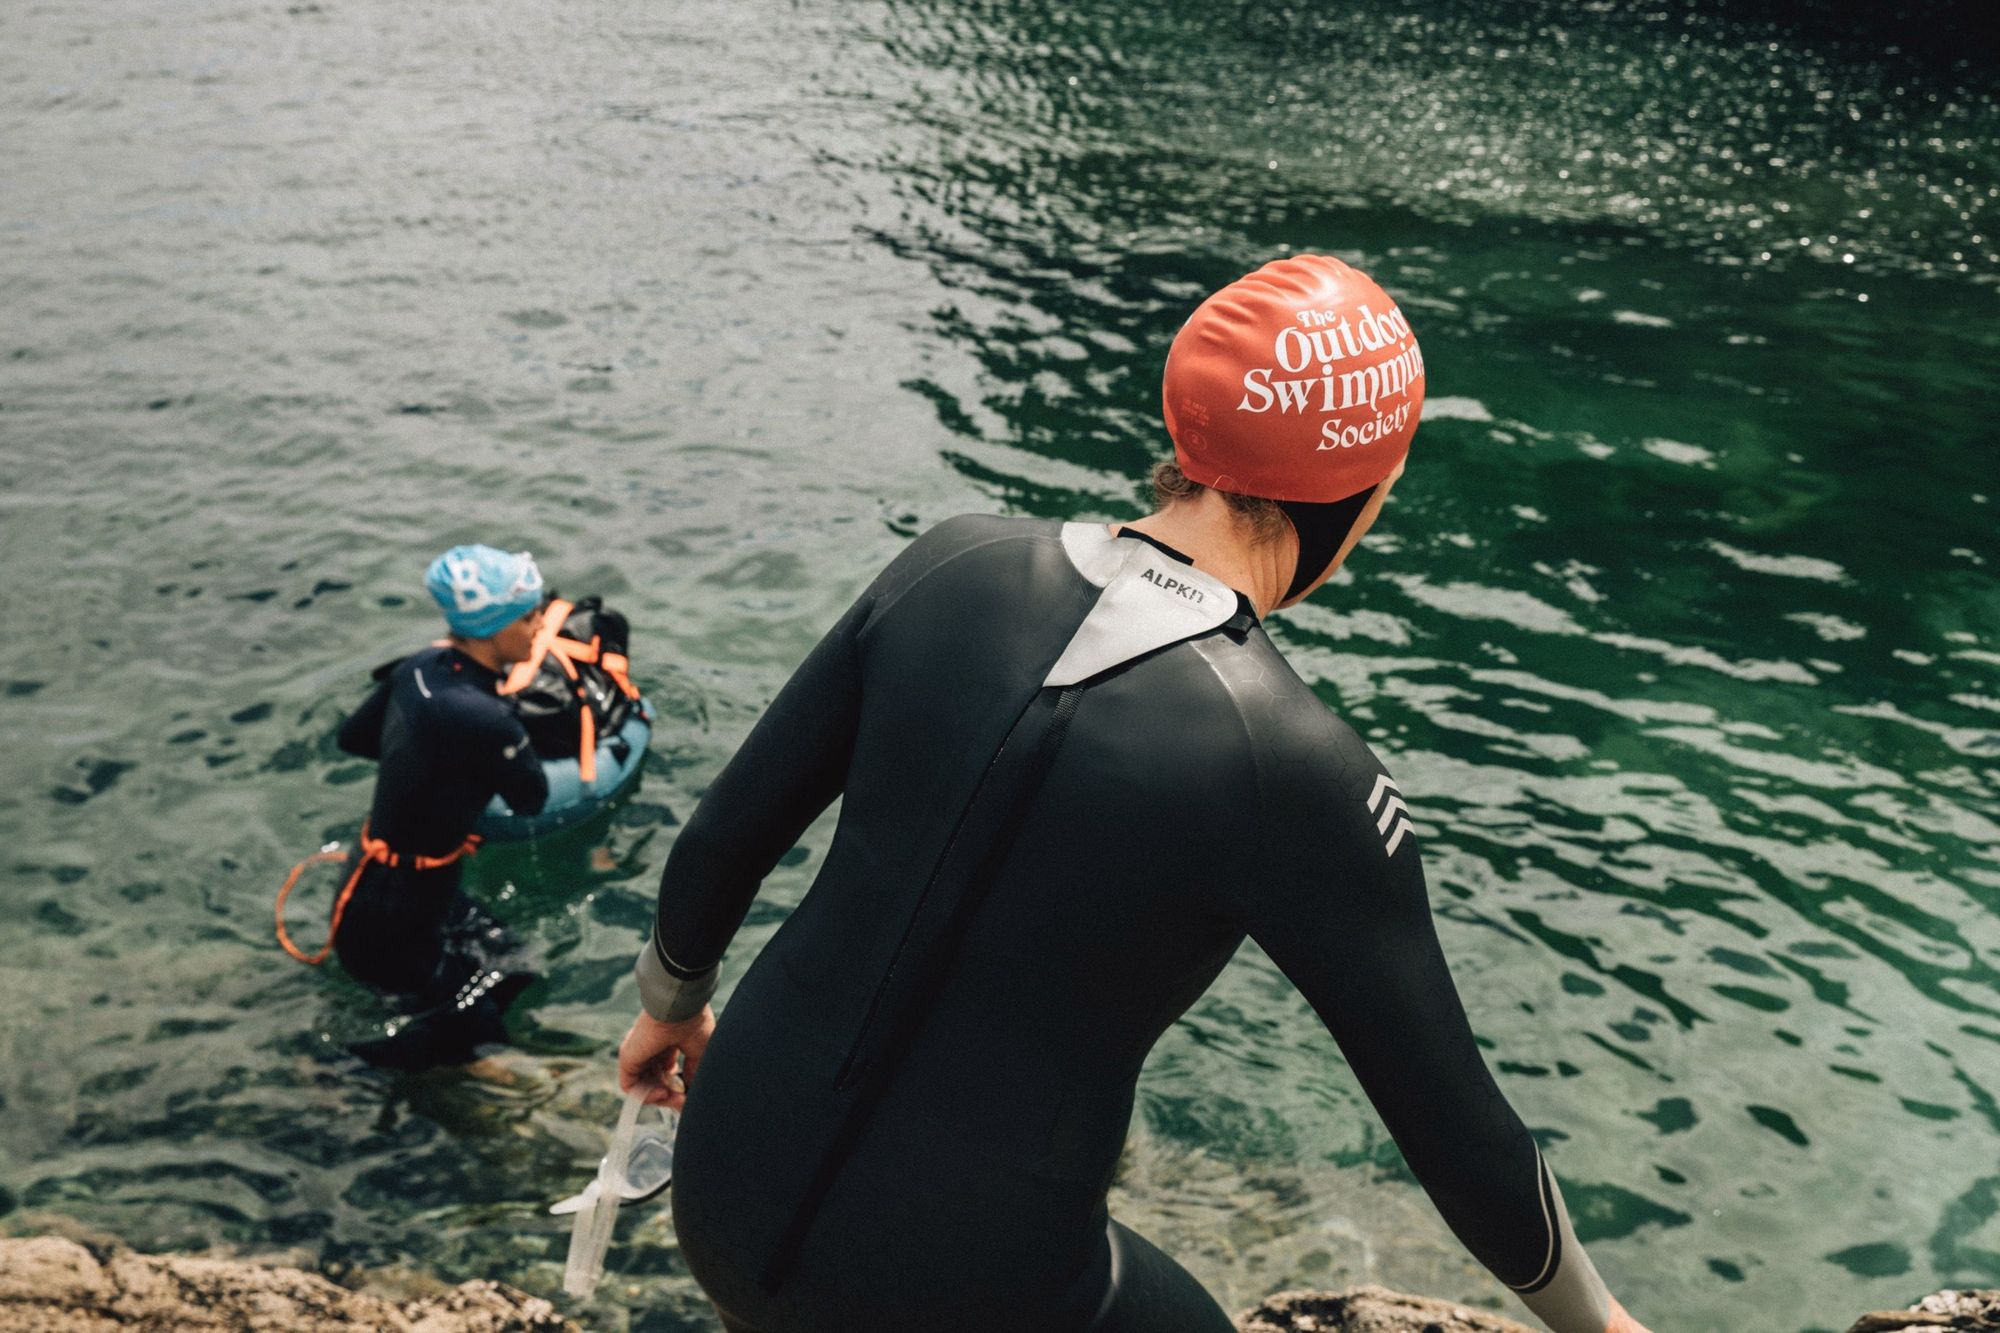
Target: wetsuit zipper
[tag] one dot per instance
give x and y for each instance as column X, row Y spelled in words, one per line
column 868, row 1080
column 1065, row 707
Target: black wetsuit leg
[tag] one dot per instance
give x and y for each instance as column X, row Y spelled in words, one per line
column 439, row 956
column 1150, row 1293
column 1142, row 1291
column 391, row 937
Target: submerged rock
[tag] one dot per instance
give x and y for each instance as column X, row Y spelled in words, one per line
column 50, row 1285
column 1970, row 1311
column 1368, row 1310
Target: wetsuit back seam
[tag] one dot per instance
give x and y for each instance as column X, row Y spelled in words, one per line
column 847, row 1065
column 1239, row 915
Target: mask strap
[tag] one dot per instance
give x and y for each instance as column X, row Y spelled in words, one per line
column 1321, row 529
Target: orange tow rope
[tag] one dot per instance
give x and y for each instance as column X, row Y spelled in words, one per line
column 372, row 849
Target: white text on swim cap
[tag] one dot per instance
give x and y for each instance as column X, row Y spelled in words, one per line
column 1334, row 435
column 468, row 592
column 1297, row 350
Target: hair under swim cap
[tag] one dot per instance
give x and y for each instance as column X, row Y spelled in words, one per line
column 1301, row 381
column 482, row 590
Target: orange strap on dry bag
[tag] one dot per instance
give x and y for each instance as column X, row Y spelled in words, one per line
column 586, row 754
column 549, row 640
column 575, row 650
column 554, row 617
column 619, row 668
column 372, row 849
column 567, row 653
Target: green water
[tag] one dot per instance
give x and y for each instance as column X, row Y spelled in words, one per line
column 1680, row 634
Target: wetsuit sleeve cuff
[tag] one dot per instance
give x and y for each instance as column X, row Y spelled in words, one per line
column 667, row 996
column 1570, row 1297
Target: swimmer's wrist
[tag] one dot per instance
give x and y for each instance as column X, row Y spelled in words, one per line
column 667, row 996
column 675, row 1027
column 1622, row 1322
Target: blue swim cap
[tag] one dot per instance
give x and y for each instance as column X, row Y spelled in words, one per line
column 482, row 591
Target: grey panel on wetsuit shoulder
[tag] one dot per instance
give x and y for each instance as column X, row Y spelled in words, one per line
column 1149, row 600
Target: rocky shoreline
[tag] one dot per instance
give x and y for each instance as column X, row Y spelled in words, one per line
column 52, row 1285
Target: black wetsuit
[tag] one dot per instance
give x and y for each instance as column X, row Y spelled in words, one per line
column 447, row 743
column 1075, row 774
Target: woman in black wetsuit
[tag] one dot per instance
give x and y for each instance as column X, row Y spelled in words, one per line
column 1075, row 774
column 446, row 742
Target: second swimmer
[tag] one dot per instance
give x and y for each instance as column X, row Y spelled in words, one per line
column 446, row 742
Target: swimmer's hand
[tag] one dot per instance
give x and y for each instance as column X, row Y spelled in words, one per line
column 652, row 1050
column 1622, row 1322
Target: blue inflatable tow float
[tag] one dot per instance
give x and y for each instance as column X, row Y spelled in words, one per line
column 571, row 799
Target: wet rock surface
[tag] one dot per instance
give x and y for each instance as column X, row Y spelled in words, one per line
column 1963, row 1310
column 1369, row 1310
column 1379, row 1310
column 52, row 1285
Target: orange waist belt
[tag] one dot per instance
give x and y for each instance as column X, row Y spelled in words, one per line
column 372, row 849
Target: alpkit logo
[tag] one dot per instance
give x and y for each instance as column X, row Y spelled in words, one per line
column 1172, row 585
column 1331, row 363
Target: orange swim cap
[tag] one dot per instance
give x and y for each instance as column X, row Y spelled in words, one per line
column 1301, row 381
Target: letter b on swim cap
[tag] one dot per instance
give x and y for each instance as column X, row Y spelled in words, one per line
column 468, row 591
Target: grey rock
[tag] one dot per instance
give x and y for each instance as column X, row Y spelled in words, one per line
column 1968, row 1311
column 52, row 1285
column 1368, row 1310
